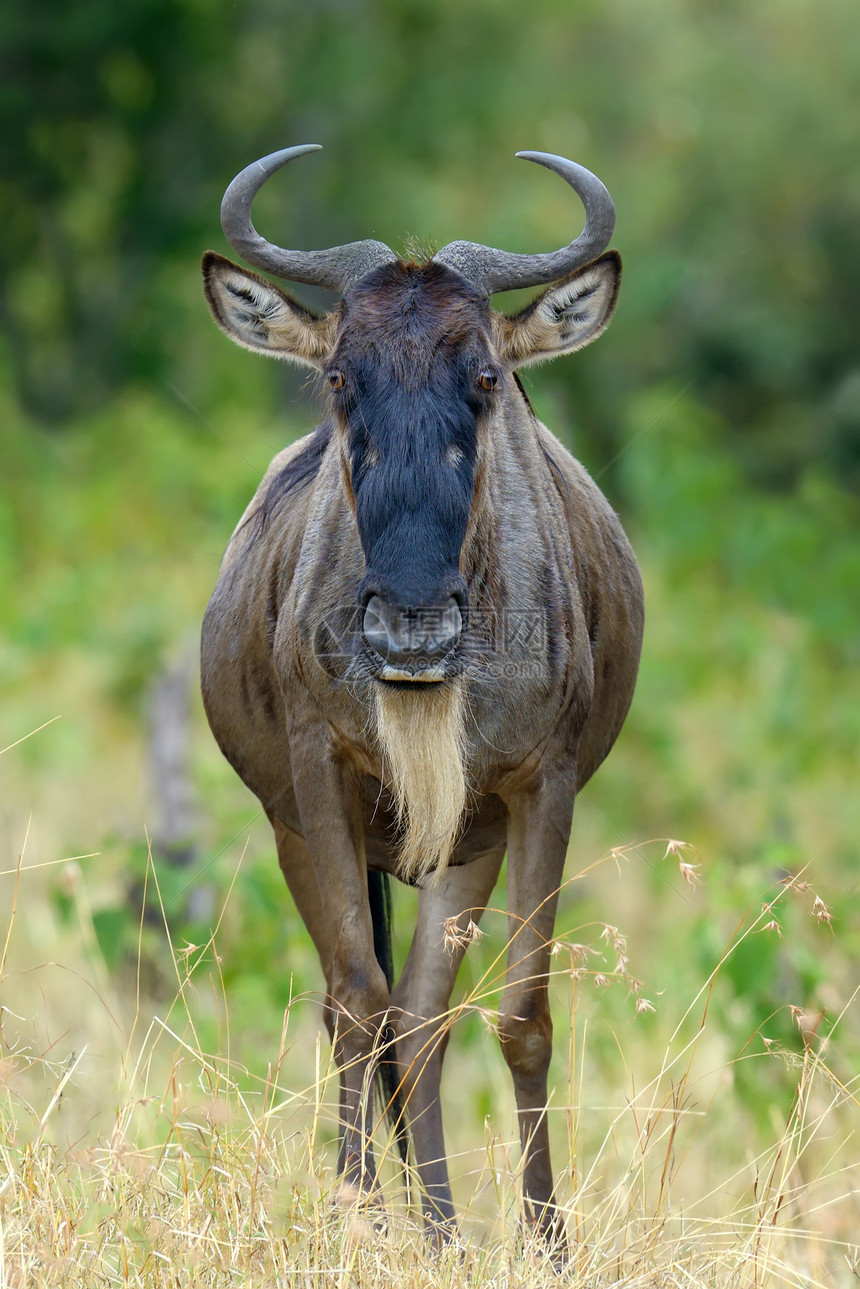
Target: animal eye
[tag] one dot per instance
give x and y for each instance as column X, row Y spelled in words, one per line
column 336, row 379
column 488, row 379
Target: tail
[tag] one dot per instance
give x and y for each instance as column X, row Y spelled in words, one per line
column 381, row 913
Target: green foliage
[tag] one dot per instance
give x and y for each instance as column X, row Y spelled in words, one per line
column 725, row 133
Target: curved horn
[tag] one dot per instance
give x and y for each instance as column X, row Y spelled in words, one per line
column 491, row 270
column 336, row 268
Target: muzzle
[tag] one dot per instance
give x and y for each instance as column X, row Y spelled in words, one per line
column 412, row 644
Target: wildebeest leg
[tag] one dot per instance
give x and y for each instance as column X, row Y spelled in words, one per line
column 538, row 832
column 420, row 1004
column 338, row 917
column 298, row 871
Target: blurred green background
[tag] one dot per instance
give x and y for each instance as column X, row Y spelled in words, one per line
column 720, row 413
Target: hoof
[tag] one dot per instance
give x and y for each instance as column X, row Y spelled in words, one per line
column 364, row 1210
column 442, row 1234
column 545, row 1233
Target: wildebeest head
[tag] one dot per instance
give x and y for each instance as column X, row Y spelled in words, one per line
column 417, row 364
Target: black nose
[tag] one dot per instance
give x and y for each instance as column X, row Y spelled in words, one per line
column 412, row 642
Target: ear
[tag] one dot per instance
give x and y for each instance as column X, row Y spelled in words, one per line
column 568, row 316
column 259, row 316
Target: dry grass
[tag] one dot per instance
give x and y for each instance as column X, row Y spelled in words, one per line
column 130, row 1155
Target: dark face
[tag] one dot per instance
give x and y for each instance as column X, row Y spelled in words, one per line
column 412, row 376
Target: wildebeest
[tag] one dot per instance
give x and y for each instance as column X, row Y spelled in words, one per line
column 423, row 641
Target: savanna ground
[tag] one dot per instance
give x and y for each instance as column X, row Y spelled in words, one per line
column 166, row 1093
